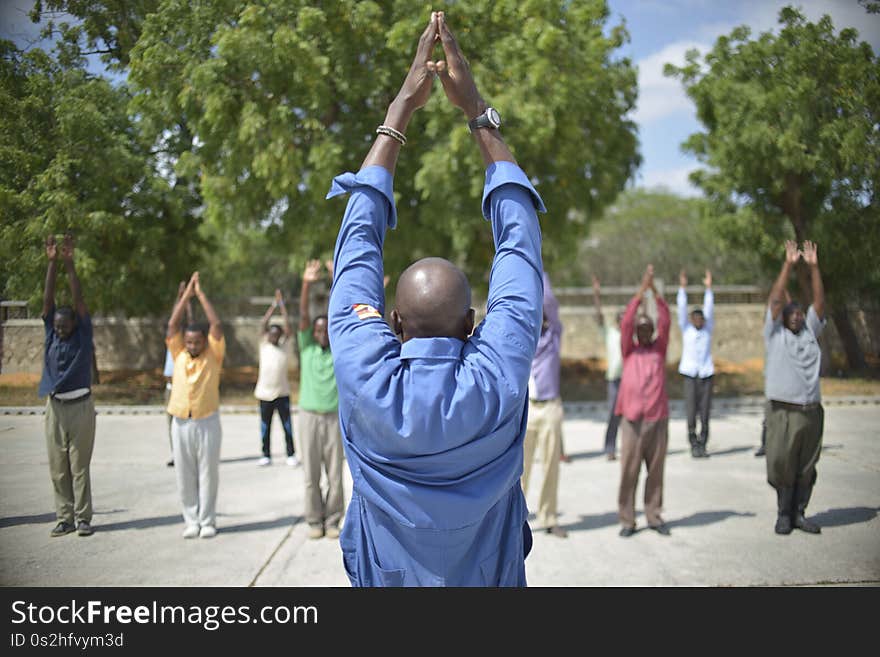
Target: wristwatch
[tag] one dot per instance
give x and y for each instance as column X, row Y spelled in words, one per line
column 488, row 119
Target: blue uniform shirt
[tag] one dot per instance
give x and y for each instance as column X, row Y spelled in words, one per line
column 433, row 429
column 67, row 364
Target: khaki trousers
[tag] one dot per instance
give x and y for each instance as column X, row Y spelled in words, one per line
column 320, row 443
column 642, row 441
column 70, row 438
column 196, row 446
column 544, row 434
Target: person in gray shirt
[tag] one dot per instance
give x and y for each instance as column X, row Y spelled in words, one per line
column 795, row 417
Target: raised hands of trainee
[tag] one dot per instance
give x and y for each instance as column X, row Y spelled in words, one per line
column 329, row 265
column 312, row 272
column 596, row 288
column 67, row 247
column 648, row 278
column 682, row 278
column 707, row 279
column 51, row 248
column 792, row 255
column 279, row 299
column 810, row 253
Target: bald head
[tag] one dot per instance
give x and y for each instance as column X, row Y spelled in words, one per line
column 433, row 301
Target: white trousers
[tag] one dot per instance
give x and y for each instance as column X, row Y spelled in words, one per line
column 196, row 445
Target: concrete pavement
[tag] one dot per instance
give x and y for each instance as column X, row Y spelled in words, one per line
column 720, row 511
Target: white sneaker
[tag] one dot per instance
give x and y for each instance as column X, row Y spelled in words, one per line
column 264, row 461
column 191, row 531
column 292, row 461
column 207, row 532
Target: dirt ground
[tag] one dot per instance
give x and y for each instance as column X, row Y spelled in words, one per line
column 582, row 380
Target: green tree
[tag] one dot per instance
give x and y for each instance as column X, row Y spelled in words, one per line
column 70, row 160
column 266, row 102
column 792, row 149
column 658, row 227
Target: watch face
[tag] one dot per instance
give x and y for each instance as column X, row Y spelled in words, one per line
column 493, row 116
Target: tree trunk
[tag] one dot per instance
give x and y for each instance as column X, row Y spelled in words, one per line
column 855, row 357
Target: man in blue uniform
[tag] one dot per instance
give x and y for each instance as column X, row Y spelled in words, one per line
column 433, row 413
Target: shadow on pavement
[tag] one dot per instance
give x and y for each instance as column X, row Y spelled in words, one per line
column 730, row 450
column 141, row 523
column 707, row 518
column 593, row 522
column 841, row 517
column 259, row 526
column 241, row 459
column 577, row 456
column 38, row 519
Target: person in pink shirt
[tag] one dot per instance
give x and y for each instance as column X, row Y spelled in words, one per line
column 644, row 408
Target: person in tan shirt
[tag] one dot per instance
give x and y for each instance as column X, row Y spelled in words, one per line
column 195, row 409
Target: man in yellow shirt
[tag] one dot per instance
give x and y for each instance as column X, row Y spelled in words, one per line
column 195, row 409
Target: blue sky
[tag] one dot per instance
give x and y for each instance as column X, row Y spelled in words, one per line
column 660, row 31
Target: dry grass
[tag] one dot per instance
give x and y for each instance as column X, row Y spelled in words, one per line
column 582, row 380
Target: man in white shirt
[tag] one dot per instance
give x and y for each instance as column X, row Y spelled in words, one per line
column 696, row 361
column 613, row 370
column 273, row 385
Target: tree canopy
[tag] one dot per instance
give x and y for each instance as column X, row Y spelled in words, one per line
column 253, row 107
column 668, row 231
column 71, row 160
column 792, row 148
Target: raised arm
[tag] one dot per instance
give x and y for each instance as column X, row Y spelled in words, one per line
column 681, row 300
column 461, row 90
column 628, row 322
column 597, row 302
column 811, row 257
column 216, row 327
column 311, row 275
column 79, row 304
column 777, row 292
column 51, row 275
column 413, row 94
column 264, row 322
column 279, row 300
column 179, row 309
column 708, row 301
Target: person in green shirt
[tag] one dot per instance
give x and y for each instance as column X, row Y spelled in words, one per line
column 318, row 417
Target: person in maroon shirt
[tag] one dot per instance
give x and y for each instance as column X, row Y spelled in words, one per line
column 644, row 407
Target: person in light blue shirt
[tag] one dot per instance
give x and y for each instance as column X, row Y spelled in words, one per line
column 696, row 361
column 433, row 411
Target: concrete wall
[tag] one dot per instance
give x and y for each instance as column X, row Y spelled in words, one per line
column 136, row 344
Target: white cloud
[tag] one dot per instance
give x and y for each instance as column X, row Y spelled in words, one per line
column 661, row 96
column 674, row 180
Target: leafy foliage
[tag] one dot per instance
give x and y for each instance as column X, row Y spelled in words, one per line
column 70, row 160
column 792, row 146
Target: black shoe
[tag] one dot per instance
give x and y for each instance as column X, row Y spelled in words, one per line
column 695, row 451
column 84, row 529
column 760, row 451
column 556, row 530
column 61, row 529
column 661, row 529
column 170, row 463
column 783, row 524
column 703, row 453
column 805, row 525
column 626, row 532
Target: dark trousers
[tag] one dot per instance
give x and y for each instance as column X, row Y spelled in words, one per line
column 267, row 408
column 613, row 420
column 794, row 444
column 698, row 399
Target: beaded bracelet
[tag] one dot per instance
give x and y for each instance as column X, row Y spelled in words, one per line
column 388, row 131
